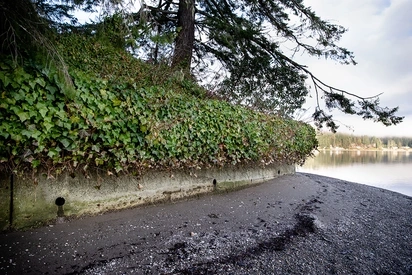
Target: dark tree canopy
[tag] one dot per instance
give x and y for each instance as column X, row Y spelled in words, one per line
column 244, row 48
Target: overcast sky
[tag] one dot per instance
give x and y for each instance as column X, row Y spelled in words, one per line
column 380, row 35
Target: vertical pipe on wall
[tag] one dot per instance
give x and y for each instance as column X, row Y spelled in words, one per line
column 11, row 200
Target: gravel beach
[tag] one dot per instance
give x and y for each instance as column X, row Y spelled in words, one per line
column 295, row 224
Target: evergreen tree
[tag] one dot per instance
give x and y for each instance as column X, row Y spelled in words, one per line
column 246, row 37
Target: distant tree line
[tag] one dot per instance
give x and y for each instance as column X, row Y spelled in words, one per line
column 366, row 142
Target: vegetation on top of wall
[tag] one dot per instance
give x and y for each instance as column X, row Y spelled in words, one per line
column 94, row 55
column 122, row 126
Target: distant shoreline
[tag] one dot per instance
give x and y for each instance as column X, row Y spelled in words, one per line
column 365, row 149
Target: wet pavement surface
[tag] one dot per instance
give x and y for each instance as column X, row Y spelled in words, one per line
column 295, row 224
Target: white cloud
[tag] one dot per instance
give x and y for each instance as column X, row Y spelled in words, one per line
column 380, row 35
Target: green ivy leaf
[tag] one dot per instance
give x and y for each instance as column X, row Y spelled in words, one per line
column 4, row 134
column 61, row 114
column 41, row 82
column 52, row 153
column 5, row 79
column 47, row 125
column 10, row 101
column 23, row 116
column 20, row 95
column 74, row 119
column 26, row 133
column 4, row 105
column 35, row 163
column 66, row 143
column 42, row 109
column 116, row 102
column 96, row 147
column 32, row 84
column 51, row 89
column 103, row 93
column 99, row 161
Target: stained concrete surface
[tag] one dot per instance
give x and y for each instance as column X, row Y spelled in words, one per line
column 97, row 192
column 295, row 224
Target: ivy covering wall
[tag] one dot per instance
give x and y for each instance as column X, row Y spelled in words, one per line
column 106, row 112
column 118, row 126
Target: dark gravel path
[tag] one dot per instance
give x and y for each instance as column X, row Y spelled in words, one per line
column 299, row 224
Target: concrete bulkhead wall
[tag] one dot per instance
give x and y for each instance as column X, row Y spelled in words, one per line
column 36, row 203
column 5, row 193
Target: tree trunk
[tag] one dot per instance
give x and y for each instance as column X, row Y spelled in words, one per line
column 19, row 23
column 3, row 30
column 182, row 56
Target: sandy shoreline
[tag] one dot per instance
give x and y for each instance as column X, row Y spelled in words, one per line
column 297, row 224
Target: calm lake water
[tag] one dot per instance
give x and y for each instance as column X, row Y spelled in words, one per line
column 391, row 170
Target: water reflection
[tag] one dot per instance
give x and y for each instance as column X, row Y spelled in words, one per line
column 385, row 169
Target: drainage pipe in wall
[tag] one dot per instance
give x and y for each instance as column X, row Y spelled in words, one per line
column 11, row 200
